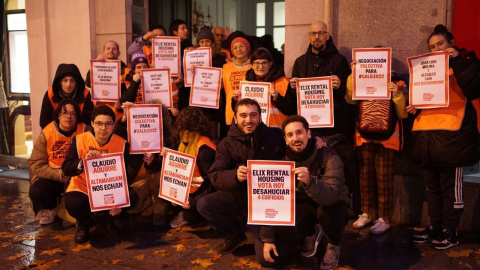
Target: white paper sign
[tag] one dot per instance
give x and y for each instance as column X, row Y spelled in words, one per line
column 176, row 178
column 144, row 125
column 271, row 192
column 259, row 92
column 206, row 86
column 201, row 57
column 156, row 85
column 429, row 80
column 371, row 74
column 106, row 182
column 315, row 101
column 166, row 54
column 106, row 80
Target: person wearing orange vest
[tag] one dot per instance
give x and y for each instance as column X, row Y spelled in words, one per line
column 376, row 164
column 86, row 145
column 191, row 134
column 446, row 140
column 265, row 70
column 48, row 154
column 144, row 43
column 67, row 84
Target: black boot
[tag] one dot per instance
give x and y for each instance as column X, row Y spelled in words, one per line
column 82, row 232
column 231, row 243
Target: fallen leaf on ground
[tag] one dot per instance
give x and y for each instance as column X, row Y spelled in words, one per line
column 203, row 262
column 47, row 265
column 197, row 267
column 105, row 262
column 180, row 247
column 35, row 263
column 186, row 240
column 460, row 253
column 6, row 244
column 168, row 235
column 253, row 264
column 428, row 253
column 16, row 256
column 6, row 235
column 63, row 238
column 465, row 264
column 28, row 237
column 163, row 253
column 51, row 251
column 82, row 247
column 199, row 246
column 346, row 267
column 18, row 227
column 216, row 257
column 140, row 257
column 241, row 262
column 115, row 261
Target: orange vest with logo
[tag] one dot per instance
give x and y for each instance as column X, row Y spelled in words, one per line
column 197, row 177
column 55, row 105
column 86, row 142
column 232, row 76
column 447, row 118
column 276, row 117
column 57, row 144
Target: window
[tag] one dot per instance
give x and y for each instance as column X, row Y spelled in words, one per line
column 270, row 19
column 19, row 76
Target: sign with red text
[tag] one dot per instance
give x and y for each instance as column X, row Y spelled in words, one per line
column 315, row 101
column 201, row 57
column 206, row 86
column 166, row 54
column 106, row 182
column 156, row 85
column 176, row 177
column 105, row 77
column 429, row 80
column 144, row 125
column 271, row 192
column 259, row 92
column 371, row 73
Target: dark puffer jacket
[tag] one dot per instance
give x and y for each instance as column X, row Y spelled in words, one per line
column 46, row 114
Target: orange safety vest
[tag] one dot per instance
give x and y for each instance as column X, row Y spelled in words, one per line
column 197, row 177
column 86, row 142
column 447, row 118
column 57, row 144
column 392, row 143
column 55, row 105
column 111, row 105
column 232, row 76
column 276, row 117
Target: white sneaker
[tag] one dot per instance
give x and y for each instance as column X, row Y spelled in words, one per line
column 178, row 221
column 380, row 226
column 362, row 220
column 46, row 216
column 330, row 259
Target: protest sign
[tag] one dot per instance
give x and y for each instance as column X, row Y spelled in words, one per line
column 206, row 86
column 176, row 177
column 429, row 80
column 105, row 80
column 259, row 92
column 145, row 128
column 200, row 57
column 166, row 54
column 315, row 101
column 271, row 192
column 106, row 182
column 156, row 85
column 371, row 73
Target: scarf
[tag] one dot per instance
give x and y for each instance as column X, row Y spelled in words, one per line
column 188, row 142
column 304, row 158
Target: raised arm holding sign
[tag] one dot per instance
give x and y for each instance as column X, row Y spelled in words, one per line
column 315, row 101
column 371, row 73
column 206, row 87
column 105, row 80
column 201, row 57
column 166, row 54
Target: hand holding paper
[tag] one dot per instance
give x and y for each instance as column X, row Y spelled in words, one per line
column 303, row 175
column 242, row 173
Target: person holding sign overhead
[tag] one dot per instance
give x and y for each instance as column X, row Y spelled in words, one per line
column 446, row 140
column 144, row 43
column 88, row 145
column 376, row 157
column 49, row 152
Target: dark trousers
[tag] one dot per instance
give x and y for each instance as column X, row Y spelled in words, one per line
column 223, row 211
column 45, row 194
column 192, row 215
column 444, row 195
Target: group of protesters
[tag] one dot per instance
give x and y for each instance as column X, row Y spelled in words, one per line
column 327, row 160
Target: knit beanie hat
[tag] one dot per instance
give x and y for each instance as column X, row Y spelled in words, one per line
column 138, row 57
column 205, row 33
column 243, row 41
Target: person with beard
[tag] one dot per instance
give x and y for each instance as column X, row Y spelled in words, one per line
column 67, row 84
column 248, row 139
column 111, row 51
column 264, row 69
column 320, row 197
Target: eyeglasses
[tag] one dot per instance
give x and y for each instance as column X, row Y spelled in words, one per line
column 241, row 46
column 65, row 114
column 320, row 33
column 263, row 63
column 106, row 125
